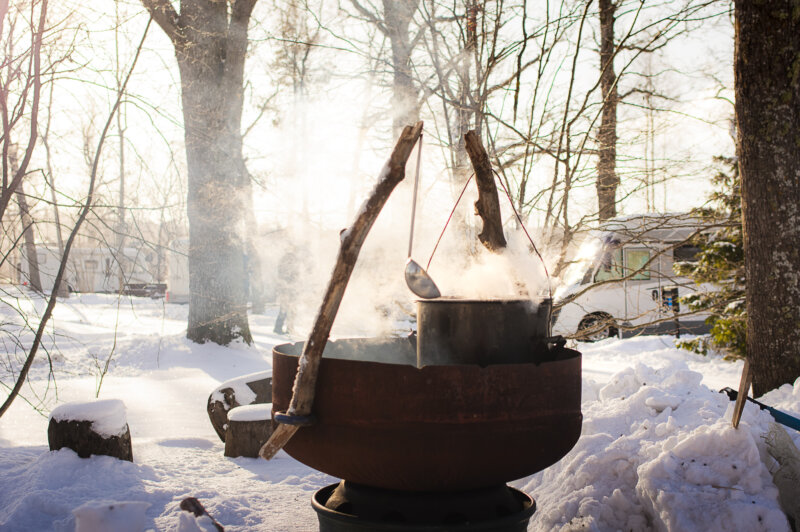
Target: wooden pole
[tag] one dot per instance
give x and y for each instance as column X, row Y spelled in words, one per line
column 744, row 389
column 488, row 205
column 351, row 241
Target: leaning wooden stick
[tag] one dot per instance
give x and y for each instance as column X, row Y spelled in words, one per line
column 744, row 389
column 352, row 240
column 488, row 205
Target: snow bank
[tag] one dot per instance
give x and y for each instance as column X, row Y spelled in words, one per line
column 657, row 452
column 41, row 488
column 712, row 480
column 107, row 415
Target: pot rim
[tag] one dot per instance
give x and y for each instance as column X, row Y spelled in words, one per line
column 495, row 301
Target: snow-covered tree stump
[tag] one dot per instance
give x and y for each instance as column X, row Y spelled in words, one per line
column 92, row 427
column 255, row 388
column 249, row 427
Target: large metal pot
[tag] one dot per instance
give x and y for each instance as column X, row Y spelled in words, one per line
column 482, row 332
column 383, row 422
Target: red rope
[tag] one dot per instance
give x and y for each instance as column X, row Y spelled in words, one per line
column 448, row 221
column 519, row 219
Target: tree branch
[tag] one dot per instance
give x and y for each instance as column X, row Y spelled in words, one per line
column 166, row 17
column 51, row 303
column 488, row 205
column 242, row 9
column 351, row 242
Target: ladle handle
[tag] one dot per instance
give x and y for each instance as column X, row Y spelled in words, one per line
column 414, row 198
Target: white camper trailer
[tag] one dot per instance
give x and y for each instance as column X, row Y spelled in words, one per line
column 622, row 280
column 90, row 269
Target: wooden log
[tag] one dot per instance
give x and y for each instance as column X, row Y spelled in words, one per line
column 488, row 204
column 248, row 428
column 79, row 436
column 254, row 388
column 93, row 427
column 351, row 241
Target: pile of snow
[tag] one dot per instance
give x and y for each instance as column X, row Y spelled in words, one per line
column 656, row 453
column 125, row 516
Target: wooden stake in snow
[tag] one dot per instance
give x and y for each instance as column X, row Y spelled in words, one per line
column 351, row 241
column 488, row 205
column 744, row 389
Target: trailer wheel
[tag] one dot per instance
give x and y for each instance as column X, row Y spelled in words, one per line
column 596, row 327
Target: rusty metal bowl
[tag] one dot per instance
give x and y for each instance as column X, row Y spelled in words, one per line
column 383, row 422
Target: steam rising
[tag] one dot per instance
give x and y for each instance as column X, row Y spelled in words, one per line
column 377, row 301
column 314, row 185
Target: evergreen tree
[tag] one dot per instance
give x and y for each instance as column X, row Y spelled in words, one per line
column 721, row 262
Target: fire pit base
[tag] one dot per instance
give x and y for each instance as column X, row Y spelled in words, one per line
column 349, row 507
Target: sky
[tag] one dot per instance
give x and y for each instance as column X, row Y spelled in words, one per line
column 315, row 158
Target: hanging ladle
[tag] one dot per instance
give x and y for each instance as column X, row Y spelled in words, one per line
column 417, row 278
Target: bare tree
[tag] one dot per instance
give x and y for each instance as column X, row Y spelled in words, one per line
column 573, row 132
column 768, row 116
column 84, row 212
column 607, row 178
column 21, row 76
column 50, row 178
column 31, row 256
column 120, row 229
column 394, row 20
column 210, row 43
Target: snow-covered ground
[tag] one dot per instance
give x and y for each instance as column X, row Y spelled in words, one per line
column 657, row 450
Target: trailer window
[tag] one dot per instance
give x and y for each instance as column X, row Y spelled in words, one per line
column 687, row 253
column 635, row 260
column 611, row 266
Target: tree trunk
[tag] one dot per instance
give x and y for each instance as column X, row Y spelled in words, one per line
column 398, row 15
column 767, row 75
column 60, row 290
column 607, row 179
column 121, row 230
column 212, row 111
column 34, row 280
column 210, row 40
column 466, row 113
